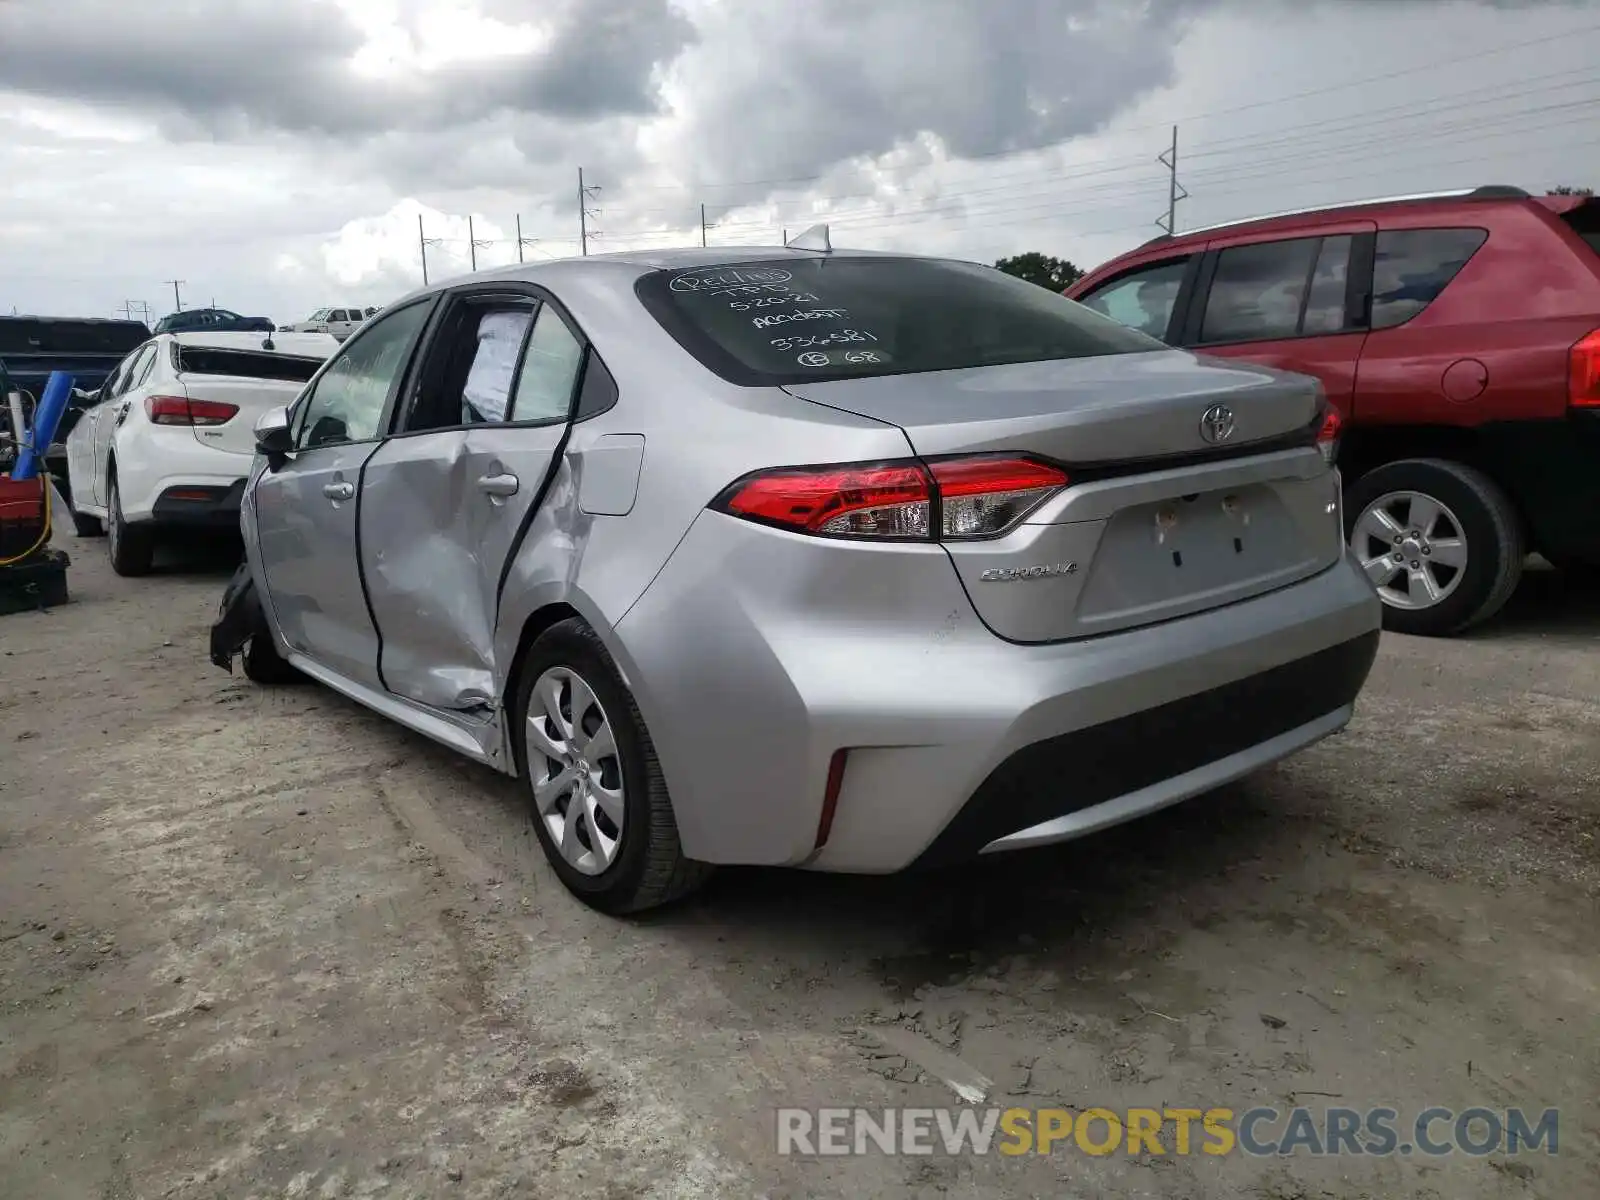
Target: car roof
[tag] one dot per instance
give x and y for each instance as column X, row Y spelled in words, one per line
column 1464, row 199
column 304, row 345
column 633, row 263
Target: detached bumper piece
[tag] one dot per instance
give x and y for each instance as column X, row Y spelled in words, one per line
column 199, row 506
column 239, row 618
column 1079, row 770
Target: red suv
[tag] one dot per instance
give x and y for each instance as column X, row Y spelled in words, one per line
column 1458, row 339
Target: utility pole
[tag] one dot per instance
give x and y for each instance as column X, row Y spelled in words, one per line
column 703, row 225
column 585, row 212
column 423, row 243
column 1175, row 190
column 474, row 242
column 176, row 298
column 522, row 241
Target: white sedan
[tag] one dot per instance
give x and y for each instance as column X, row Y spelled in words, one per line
column 169, row 439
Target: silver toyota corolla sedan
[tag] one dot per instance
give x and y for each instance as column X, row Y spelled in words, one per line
column 808, row 557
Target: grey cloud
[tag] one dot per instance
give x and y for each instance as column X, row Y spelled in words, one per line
column 283, row 65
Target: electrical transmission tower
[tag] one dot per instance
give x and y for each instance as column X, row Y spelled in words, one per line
column 423, row 243
column 473, row 242
column 585, row 212
column 1175, row 191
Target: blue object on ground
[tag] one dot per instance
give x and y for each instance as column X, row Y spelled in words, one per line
column 46, row 417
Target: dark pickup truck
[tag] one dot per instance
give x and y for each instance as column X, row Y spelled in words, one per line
column 87, row 348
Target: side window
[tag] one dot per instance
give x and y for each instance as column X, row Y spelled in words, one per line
column 1325, row 302
column 1142, row 299
column 549, row 372
column 1412, row 266
column 346, row 402
column 1258, row 291
column 496, row 346
column 132, row 368
column 140, row 373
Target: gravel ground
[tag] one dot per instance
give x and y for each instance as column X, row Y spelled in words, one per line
column 262, row 943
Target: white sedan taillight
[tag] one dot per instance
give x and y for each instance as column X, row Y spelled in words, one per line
column 906, row 500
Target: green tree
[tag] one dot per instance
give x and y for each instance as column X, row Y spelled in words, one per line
column 1047, row 272
column 1564, row 190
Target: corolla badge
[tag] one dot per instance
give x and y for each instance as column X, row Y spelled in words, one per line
column 1019, row 574
column 1217, row 425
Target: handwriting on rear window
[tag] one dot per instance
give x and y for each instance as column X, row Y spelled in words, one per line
column 718, row 281
column 822, row 339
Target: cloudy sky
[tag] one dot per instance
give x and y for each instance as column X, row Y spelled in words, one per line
column 275, row 154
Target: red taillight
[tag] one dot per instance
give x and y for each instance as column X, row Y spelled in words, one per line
column 980, row 497
column 180, row 410
column 867, row 500
column 973, row 497
column 1583, row 379
column 1328, row 435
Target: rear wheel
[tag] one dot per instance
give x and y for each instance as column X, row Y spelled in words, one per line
column 600, row 803
column 132, row 547
column 1439, row 540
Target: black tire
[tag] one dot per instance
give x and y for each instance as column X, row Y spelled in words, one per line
column 649, row 869
column 132, row 547
column 1490, row 525
column 263, row 664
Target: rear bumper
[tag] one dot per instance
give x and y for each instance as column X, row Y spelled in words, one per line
column 1076, row 783
column 757, row 655
column 1553, row 470
column 199, row 506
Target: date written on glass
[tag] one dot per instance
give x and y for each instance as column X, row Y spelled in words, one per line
column 817, row 358
column 800, row 342
column 769, row 301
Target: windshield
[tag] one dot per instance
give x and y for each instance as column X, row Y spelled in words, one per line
column 246, row 364
column 321, row 314
column 796, row 319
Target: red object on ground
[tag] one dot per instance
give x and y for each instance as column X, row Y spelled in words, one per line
column 21, row 515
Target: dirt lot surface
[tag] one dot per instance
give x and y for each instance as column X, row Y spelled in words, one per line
column 262, row 943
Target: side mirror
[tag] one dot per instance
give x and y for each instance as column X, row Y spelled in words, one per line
column 274, row 437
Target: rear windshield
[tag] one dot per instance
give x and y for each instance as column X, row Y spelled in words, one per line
column 797, row 319
column 48, row 335
column 245, row 364
column 1585, row 222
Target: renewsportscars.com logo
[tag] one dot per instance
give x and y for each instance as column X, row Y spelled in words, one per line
column 1261, row 1132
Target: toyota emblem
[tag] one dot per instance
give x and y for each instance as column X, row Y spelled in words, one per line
column 1217, row 425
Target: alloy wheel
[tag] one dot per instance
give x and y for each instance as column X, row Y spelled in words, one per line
column 1412, row 547
column 576, row 770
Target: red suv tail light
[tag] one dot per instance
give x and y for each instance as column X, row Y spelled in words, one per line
column 1583, row 380
column 180, row 410
column 948, row 500
column 1328, row 435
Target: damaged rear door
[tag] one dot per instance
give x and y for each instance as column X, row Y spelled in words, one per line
column 447, row 498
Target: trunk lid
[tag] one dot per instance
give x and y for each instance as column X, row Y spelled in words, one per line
column 1159, row 520
column 252, row 397
column 254, row 381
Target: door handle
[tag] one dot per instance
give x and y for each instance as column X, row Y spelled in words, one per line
column 338, row 491
column 499, row 485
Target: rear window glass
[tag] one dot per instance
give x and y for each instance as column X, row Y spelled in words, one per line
column 1412, row 266
column 799, row 319
column 1585, row 222
column 35, row 335
column 244, row 364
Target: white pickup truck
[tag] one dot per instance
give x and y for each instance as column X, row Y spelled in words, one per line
column 340, row 322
